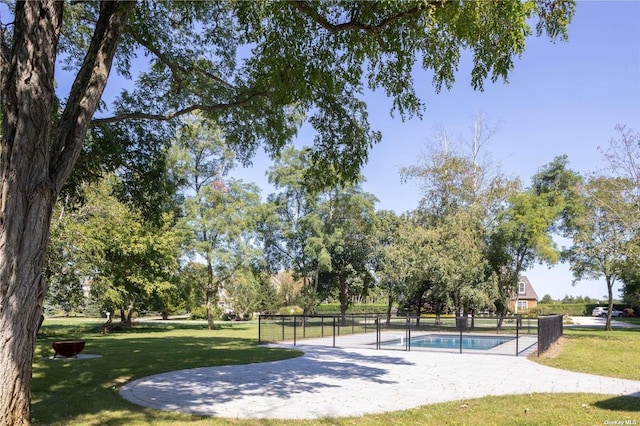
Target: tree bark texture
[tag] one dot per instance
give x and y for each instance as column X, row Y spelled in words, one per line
column 27, row 199
column 36, row 159
column 211, row 293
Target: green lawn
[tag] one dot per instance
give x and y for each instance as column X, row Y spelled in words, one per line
column 85, row 392
column 607, row 353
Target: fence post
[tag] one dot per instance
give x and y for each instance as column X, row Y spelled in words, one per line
column 517, row 337
column 283, row 327
column 259, row 328
column 334, row 331
column 295, row 324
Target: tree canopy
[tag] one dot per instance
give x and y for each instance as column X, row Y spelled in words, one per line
column 260, row 69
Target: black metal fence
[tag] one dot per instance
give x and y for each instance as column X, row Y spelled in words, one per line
column 549, row 331
column 280, row 328
column 512, row 335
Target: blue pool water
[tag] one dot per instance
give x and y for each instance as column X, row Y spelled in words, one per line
column 443, row 341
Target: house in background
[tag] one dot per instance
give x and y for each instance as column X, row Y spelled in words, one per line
column 525, row 298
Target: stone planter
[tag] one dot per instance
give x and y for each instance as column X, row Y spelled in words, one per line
column 68, row 348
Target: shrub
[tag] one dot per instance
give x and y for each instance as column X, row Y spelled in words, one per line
column 334, row 309
column 571, row 309
column 200, row 313
column 228, row 316
column 290, row 310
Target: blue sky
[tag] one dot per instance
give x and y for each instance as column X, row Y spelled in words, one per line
column 562, row 98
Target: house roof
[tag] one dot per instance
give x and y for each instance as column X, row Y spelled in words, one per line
column 529, row 292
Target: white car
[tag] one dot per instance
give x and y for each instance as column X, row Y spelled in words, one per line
column 601, row 311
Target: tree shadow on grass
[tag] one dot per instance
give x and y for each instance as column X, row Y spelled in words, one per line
column 202, row 391
column 70, row 389
column 65, row 391
column 621, row 403
column 73, row 329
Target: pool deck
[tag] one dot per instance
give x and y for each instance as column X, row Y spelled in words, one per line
column 329, row 382
column 526, row 344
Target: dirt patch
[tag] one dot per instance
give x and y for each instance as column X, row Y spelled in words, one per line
column 555, row 349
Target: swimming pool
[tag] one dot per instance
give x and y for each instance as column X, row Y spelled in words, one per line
column 451, row 341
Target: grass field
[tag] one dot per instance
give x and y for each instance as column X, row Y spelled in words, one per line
column 85, row 392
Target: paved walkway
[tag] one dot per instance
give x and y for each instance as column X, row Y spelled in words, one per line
column 328, row 382
column 598, row 323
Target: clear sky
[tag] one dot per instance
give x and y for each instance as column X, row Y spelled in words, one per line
column 561, row 98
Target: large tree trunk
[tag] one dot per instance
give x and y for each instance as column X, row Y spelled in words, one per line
column 211, row 292
column 27, row 200
column 610, row 281
column 209, row 304
column 36, row 162
column 343, row 296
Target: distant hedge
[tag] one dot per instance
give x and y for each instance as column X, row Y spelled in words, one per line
column 334, row 308
column 290, row 310
column 571, row 309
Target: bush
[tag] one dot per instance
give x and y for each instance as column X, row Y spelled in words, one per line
column 334, row 309
column 228, row 316
column 571, row 309
column 291, row 310
column 200, row 313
